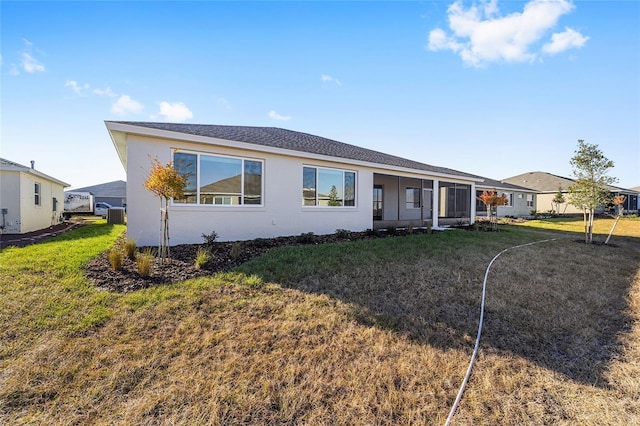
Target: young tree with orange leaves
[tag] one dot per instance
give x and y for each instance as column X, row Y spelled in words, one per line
column 492, row 200
column 165, row 182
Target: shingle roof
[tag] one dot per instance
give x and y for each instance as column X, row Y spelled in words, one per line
column 297, row 141
column 117, row 188
column 492, row 183
column 13, row 166
column 547, row 182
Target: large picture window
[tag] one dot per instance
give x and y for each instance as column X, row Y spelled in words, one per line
column 219, row 180
column 328, row 187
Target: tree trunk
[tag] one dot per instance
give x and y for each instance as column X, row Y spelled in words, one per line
column 586, row 227
column 591, row 214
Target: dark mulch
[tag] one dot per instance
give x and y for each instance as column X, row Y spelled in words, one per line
column 181, row 265
column 23, row 240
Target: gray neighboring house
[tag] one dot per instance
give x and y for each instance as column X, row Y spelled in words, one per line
column 637, row 190
column 113, row 193
column 521, row 200
column 547, row 185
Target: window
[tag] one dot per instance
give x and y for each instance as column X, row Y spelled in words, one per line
column 328, row 187
column 413, row 198
column 219, row 180
column 509, row 196
column 529, row 200
column 36, row 192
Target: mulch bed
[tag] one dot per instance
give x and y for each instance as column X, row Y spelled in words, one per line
column 225, row 256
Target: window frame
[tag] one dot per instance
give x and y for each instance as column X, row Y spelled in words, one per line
column 223, row 197
column 414, row 190
column 529, row 202
column 343, row 190
column 37, row 194
column 509, row 196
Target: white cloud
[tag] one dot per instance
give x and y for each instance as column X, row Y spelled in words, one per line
column 275, row 116
column 31, row 64
column 125, row 105
column 78, row 89
column 28, row 62
column 480, row 35
column 175, row 112
column 328, row 79
column 105, row 92
column 563, row 41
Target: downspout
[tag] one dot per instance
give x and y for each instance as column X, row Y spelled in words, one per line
column 436, row 201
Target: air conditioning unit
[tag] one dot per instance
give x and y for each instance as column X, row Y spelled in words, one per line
column 115, row 215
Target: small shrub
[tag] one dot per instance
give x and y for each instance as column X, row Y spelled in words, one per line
column 306, row 238
column 130, row 249
column 410, row 228
column 391, row 230
column 210, row 238
column 342, row 233
column 115, row 258
column 144, row 262
column 236, row 250
column 371, row 232
column 428, row 228
column 262, row 242
column 203, row 257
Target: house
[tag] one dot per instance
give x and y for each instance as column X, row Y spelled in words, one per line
column 249, row 182
column 547, row 186
column 29, row 199
column 636, row 189
column 114, row 193
column 520, row 200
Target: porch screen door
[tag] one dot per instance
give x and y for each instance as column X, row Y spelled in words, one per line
column 377, row 202
column 427, row 203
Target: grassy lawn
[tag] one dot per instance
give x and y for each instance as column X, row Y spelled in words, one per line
column 368, row 332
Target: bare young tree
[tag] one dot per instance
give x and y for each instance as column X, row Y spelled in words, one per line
column 591, row 189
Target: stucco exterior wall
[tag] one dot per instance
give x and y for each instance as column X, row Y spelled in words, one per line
column 545, row 204
column 10, row 200
column 41, row 216
column 282, row 212
column 519, row 207
column 18, row 197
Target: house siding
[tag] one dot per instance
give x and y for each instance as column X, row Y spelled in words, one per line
column 18, row 197
column 10, row 200
column 282, row 212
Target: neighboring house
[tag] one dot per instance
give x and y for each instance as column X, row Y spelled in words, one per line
column 114, row 193
column 636, row 189
column 547, row 184
column 29, row 199
column 520, row 201
column 249, row 182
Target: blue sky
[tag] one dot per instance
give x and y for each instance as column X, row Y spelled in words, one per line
column 487, row 87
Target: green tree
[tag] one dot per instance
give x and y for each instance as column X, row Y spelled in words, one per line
column 591, row 189
column 558, row 199
column 333, row 197
column 166, row 183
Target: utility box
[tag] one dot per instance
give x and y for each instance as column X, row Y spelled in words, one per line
column 115, row 215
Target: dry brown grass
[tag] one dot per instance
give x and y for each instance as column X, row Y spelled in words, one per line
column 383, row 339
